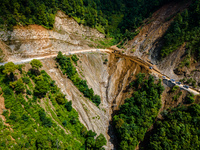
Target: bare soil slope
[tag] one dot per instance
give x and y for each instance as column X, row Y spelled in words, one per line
column 35, row 40
column 147, row 44
column 109, row 80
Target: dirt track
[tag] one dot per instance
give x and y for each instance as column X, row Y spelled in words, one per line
column 133, row 58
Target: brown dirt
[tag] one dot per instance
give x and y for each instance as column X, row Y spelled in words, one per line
column 2, row 107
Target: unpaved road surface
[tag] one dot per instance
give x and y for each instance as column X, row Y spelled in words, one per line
column 135, row 59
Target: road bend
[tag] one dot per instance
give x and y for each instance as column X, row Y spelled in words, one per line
column 135, row 59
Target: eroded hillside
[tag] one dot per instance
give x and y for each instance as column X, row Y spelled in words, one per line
column 35, row 40
column 107, row 79
column 147, row 44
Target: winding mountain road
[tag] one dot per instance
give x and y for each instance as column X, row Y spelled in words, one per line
column 135, row 59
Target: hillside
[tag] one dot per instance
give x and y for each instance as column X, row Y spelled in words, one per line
column 100, row 77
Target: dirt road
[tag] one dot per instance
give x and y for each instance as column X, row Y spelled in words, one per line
column 147, row 65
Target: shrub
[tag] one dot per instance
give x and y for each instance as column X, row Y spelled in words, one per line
column 25, row 117
column 105, row 61
column 73, row 120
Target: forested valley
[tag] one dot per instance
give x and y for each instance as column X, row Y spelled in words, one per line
column 37, row 114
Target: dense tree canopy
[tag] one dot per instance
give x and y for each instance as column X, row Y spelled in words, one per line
column 138, row 113
column 178, row 131
column 37, row 118
column 10, row 67
column 184, row 28
column 112, row 17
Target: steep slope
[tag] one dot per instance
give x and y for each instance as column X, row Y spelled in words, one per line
column 34, row 40
column 109, row 80
column 147, row 44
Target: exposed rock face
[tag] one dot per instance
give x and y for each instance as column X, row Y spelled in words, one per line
column 147, row 44
column 35, row 40
column 107, row 80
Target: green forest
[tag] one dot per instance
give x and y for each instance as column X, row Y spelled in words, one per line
column 38, row 114
column 184, row 29
column 138, row 113
column 179, row 130
column 117, row 18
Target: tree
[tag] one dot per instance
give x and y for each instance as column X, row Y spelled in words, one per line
column 41, row 87
column 100, row 141
column 96, row 99
column 60, row 98
column 68, row 106
column 18, row 86
column 36, row 64
column 10, row 67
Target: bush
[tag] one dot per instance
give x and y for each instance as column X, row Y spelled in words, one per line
column 100, row 141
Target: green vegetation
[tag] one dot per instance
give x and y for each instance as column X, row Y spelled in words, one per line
column 118, row 18
column 176, row 87
column 184, row 28
column 68, row 68
column 178, row 130
column 10, row 67
column 138, row 113
column 176, row 97
column 36, row 64
column 189, row 98
column 41, row 119
column 75, row 59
